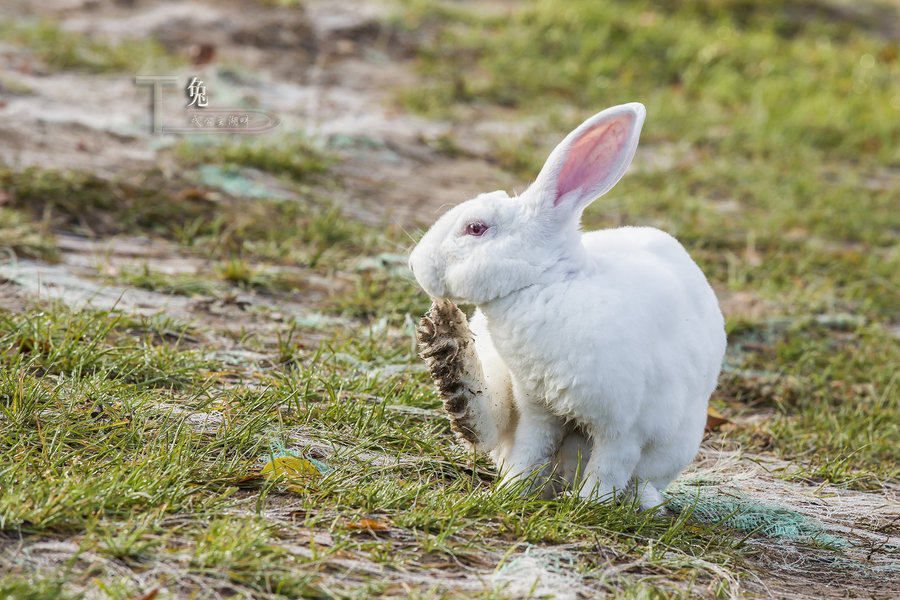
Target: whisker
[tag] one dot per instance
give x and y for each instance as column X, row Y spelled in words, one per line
column 408, row 234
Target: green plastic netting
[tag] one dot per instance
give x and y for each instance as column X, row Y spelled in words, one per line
column 731, row 509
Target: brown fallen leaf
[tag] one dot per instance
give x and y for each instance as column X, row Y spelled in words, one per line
column 27, row 344
column 149, row 595
column 202, row 54
column 714, row 419
column 368, row 525
column 252, row 477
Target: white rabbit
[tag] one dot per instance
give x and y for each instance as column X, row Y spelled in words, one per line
column 603, row 346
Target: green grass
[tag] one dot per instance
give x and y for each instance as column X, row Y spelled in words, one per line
column 78, row 416
column 265, row 244
column 738, row 77
column 62, row 50
column 834, row 395
column 23, row 237
column 307, row 230
column 84, row 203
column 183, row 283
column 31, row 587
column 97, row 443
column 294, row 157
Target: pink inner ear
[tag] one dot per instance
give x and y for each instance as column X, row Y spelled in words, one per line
column 594, row 158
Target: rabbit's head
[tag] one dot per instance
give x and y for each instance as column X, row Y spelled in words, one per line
column 493, row 245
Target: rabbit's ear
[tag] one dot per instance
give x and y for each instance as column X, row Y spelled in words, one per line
column 591, row 159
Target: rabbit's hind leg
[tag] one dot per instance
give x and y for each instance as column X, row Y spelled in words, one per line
column 447, row 345
column 609, row 470
column 531, row 460
column 649, row 497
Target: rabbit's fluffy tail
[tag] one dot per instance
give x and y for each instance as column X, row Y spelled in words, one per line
column 480, row 408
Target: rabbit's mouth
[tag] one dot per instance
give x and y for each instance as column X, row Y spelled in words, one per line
column 426, row 274
column 435, row 292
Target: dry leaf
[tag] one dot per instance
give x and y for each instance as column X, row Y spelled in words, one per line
column 713, row 419
column 27, row 344
column 369, row 525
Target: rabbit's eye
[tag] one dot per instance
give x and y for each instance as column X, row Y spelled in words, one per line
column 476, row 228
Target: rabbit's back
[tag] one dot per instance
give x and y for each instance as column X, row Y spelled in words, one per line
column 667, row 299
column 651, row 264
column 640, row 243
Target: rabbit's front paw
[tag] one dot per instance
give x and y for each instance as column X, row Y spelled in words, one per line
column 446, row 344
column 441, row 334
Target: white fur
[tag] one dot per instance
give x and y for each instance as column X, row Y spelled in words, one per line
column 603, row 346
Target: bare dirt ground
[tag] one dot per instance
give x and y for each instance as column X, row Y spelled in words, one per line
column 332, row 71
